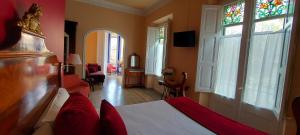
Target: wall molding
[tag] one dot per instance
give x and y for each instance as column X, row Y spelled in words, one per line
column 155, row 7
column 126, row 9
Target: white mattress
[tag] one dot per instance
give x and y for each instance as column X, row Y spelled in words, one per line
column 159, row 118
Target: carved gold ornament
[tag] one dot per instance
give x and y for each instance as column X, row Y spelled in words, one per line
column 31, row 20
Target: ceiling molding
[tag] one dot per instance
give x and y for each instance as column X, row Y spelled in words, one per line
column 126, row 9
column 113, row 6
column 155, row 7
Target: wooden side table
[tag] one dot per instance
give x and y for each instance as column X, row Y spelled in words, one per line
column 134, row 77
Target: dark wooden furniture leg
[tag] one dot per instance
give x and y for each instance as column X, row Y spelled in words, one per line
column 296, row 111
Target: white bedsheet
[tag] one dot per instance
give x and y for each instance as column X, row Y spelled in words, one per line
column 159, row 118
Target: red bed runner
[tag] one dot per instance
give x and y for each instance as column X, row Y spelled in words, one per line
column 211, row 120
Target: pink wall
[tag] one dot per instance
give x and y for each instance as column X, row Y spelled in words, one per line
column 52, row 21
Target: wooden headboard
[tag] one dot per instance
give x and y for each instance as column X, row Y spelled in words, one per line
column 27, row 85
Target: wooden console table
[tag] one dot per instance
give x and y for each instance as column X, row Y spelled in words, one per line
column 134, row 77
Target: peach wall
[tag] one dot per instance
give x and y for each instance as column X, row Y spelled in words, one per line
column 186, row 16
column 91, row 48
column 89, row 18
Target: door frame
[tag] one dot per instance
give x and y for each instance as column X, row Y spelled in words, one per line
column 125, row 51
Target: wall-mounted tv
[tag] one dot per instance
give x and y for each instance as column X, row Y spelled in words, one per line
column 184, row 39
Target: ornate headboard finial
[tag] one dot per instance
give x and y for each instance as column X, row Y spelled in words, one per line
column 31, row 20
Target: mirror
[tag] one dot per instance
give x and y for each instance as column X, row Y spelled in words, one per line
column 134, row 61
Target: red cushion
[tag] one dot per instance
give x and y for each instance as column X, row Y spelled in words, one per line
column 77, row 117
column 110, row 120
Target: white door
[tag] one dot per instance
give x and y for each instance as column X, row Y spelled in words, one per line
column 225, row 100
column 208, row 41
column 105, row 52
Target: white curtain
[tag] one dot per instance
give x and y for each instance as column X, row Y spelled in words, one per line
column 159, row 59
column 161, row 52
column 152, row 36
column 228, row 59
column 263, row 70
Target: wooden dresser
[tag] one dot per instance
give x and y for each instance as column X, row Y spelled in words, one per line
column 134, row 77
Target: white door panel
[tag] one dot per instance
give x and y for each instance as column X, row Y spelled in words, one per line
column 208, row 42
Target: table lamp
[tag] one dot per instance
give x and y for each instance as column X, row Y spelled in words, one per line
column 73, row 59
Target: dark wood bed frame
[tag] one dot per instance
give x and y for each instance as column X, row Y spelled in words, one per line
column 28, row 83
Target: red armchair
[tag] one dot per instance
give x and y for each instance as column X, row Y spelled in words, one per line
column 94, row 73
column 111, row 68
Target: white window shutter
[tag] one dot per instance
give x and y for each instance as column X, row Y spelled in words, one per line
column 150, row 54
column 280, row 97
column 208, row 47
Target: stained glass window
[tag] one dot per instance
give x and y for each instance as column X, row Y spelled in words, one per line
column 234, row 13
column 269, row 8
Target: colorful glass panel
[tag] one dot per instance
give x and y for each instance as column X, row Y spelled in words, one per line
column 234, row 13
column 269, row 8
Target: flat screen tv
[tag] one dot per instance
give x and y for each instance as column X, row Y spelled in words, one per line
column 184, row 39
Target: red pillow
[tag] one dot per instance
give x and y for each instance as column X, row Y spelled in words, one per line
column 77, row 117
column 110, row 120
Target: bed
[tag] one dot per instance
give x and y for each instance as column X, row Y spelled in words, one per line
column 159, row 117
column 179, row 116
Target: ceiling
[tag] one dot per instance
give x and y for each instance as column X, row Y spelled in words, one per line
column 140, row 7
column 139, row 4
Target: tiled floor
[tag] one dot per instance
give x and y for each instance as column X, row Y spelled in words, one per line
column 113, row 92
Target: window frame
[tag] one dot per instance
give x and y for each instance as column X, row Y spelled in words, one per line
column 277, row 112
column 223, row 35
column 246, row 37
column 223, row 26
column 164, row 25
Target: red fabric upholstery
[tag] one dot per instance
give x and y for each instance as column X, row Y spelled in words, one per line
column 83, row 88
column 77, row 117
column 110, row 120
column 93, row 68
column 211, row 120
column 74, row 84
column 97, row 73
column 93, row 72
column 71, row 81
column 111, row 68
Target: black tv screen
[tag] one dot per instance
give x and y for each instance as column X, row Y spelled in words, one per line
column 184, row 39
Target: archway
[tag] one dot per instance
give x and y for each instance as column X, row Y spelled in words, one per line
column 107, row 49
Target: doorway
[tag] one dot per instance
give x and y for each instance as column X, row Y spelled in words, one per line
column 105, row 48
column 115, row 51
